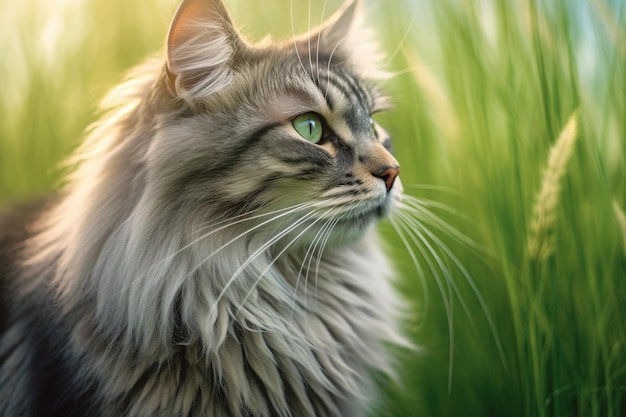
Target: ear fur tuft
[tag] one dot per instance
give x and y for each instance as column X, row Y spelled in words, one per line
column 345, row 34
column 201, row 44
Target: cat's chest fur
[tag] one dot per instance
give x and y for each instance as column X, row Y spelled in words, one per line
column 305, row 355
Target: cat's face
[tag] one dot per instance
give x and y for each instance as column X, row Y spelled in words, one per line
column 280, row 132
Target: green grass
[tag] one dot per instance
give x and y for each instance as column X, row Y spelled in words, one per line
column 483, row 91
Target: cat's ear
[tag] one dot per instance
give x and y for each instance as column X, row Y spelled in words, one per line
column 201, row 44
column 338, row 29
column 345, row 33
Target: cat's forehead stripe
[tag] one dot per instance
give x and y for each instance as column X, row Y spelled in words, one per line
column 346, row 84
column 358, row 102
column 361, row 93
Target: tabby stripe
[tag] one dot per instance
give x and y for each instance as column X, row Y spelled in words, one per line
column 335, row 82
column 358, row 91
column 316, row 157
column 238, row 152
column 235, row 156
column 264, row 185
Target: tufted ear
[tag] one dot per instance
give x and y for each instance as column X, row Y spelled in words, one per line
column 345, row 34
column 201, row 44
column 339, row 27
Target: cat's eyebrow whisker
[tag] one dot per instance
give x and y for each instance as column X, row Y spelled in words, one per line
column 330, row 59
column 317, row 51
column 400, row 44
column 309, row 38
column 293, row 33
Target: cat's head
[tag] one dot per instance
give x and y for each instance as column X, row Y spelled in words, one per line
column 274, row 127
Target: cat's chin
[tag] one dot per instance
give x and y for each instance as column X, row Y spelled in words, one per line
column 355, row 226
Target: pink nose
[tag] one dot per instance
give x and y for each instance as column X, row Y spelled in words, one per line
column 389, row 175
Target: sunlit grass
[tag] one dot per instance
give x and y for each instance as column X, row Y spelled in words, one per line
column 483, row 92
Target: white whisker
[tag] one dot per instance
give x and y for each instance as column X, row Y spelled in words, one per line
column 248, row 231
column 330, row 59
column 415, row 229
column 447, row 303
column 309, row 254
column 400, row 44
column 275, row 258
column 419, row 211
column 293, row 33
column 226, row 223
column 257, row 253
column 321, row 251
column 472, row 285
column 319, row 39
column 418, row 266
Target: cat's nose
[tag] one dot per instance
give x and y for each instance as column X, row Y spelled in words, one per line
column 388, row 174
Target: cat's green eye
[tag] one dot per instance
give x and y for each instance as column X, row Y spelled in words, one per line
column 309, row 126
column 373, row 126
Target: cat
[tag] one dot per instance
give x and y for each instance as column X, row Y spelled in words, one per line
column 214, row 251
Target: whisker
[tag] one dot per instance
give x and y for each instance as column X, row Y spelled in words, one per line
column 246, row 232
column 284, row 212
column 418, row 266
column 319, row 39
column 309, row 38
column 321, row 251
column 312, row 255
column 330, row 59
column 422, row 202
column 256, row 254
column 415, row 228
column 432, row 187
column 275, row 258
column 310, row 250
column 447, row 303
column 308, row 267
column 440, row 224
column 400, row 44
column 242, row 218
column 293, row 34
column 472, row 285
column 226, row 223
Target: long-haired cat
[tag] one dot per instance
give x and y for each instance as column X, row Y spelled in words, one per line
column 213, row 252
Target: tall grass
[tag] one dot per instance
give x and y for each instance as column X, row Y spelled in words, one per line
column 484, row 91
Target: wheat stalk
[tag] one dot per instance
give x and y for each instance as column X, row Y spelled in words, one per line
column 540, row 244
column 621, row 220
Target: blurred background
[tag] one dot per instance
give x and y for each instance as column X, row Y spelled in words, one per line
column 510, row 126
